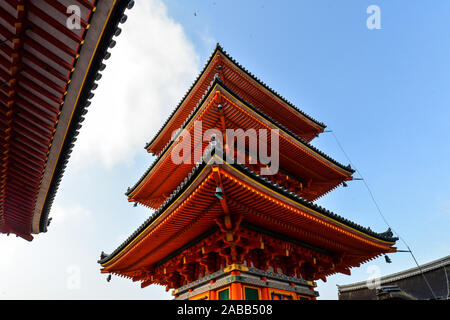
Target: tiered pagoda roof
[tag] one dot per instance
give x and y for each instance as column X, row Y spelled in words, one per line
column 318, row 169
column 47, row 74
column 263, row 220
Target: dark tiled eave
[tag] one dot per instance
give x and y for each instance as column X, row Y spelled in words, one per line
column 385, row 236
column 222, row 51
column 83, row 103
column 246, row 103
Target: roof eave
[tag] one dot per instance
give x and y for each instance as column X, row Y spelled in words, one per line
column 384, row 237
column 102, row 27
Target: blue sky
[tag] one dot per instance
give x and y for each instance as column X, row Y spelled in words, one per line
column 384, row 93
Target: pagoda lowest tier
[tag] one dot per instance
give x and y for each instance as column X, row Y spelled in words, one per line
column 249, row 88
column 303, row 169
column 253, row 222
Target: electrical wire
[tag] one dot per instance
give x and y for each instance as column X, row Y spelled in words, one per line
column 6, row 82
column 16, row 35
column 8, row 39
column 380, row 212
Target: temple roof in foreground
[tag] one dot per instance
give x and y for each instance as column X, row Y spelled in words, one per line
column 47, row 74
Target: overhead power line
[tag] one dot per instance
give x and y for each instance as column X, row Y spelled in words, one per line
column 380, row 212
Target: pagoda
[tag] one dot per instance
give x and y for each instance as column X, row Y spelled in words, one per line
column 226, row 229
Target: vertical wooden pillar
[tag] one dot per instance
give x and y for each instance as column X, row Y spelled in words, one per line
column 213, row 293
column 236, row 288
column 236, row 291
column 264, row 291
column 265, row 294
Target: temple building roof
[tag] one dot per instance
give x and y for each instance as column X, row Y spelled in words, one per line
column 386, row 238
column 48, row 70
column 407, row 282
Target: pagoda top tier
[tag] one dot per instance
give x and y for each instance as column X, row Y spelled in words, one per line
column 247, row 86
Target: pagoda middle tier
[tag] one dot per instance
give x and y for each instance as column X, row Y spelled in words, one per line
column 304, row 169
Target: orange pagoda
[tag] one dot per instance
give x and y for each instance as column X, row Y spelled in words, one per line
column 223, row 230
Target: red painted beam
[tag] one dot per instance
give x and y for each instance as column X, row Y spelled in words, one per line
column 51, row 39
column 23, row 192
column 49, row 54
column 44, row 66
column 10, row 19
column 26, row 174
column 63, row 9
column 18, row 130
column 15, row 200
column 44, row 106
column 30, row 118
column 23, row 81
column 54, row 23
column 44, row 116
column 44, row 79
column 31, row 146
column 33, row 127
column 19, row 185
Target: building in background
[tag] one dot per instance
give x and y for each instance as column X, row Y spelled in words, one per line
column 51, row 58
column 405, row 285
column 223, row 230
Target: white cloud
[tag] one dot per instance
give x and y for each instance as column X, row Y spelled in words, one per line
column 150, row 69
column 62, row 264
column 75, row 215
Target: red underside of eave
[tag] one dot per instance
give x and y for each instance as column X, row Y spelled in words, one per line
column 198, row 210
column 317, row 177
column 37, row 56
